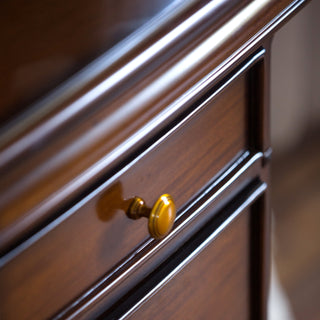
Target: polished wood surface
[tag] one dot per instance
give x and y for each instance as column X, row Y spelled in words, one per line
column 86, row 132
column 185, row 257
column 82, row 148
column 96, row 300
column 221, row 128
column 181, row 107
column 46, row 42
column 215, row 285
column 98, row 230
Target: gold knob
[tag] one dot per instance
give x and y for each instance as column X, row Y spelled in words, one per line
column 161, row 216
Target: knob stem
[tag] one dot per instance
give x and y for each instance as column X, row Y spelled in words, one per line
column 138, row 209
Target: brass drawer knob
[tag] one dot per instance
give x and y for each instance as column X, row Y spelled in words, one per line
column 161, row 216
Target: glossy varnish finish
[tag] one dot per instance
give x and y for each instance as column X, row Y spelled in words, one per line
column 221, row 192
column 85, row 31
column 84, row 133
column 48, row 41
column 215, row 285
column 99, row 232
column 130, row 126
column 212, row 230
column 236, row 131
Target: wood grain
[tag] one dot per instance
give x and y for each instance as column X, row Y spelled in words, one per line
column 71, row 162
column 97, row 234
column 54, row 156
column 215, row 285
column 221, row 192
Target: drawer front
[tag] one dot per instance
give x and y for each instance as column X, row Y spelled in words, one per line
column 217, row 273
column 83, row 245
column 215, row 285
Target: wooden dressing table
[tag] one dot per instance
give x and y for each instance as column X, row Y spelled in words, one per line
column 105, row 101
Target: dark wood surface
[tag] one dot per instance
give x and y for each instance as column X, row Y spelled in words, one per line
column 56, row 154
column 70, row 163
column 218, row 220
column 53, row 54
column 219, row 194
column 65, row 156
column 100, row 232
column 215, row 285
column 223, row 131
column 45, row 42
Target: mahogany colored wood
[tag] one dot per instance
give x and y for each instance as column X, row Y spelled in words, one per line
column 99, row 232
column 228, row 199
column 127, row 125
column 46, row 42
column 215, row 285
column 231, row 136
column 87, row 130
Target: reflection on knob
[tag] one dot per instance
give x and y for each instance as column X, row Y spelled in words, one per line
column 161, row 216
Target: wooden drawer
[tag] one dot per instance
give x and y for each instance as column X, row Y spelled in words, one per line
column 213, row 276
column 69, row 255
column 179, row 107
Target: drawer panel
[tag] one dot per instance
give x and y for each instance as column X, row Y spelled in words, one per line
column 84, row 244
column 215, row 285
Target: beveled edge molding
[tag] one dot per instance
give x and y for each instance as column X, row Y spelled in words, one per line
column 161, row 97
column 104, row 74
column 247, row 167
column 257, row 192
column 6, row 235
column 251, row 62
